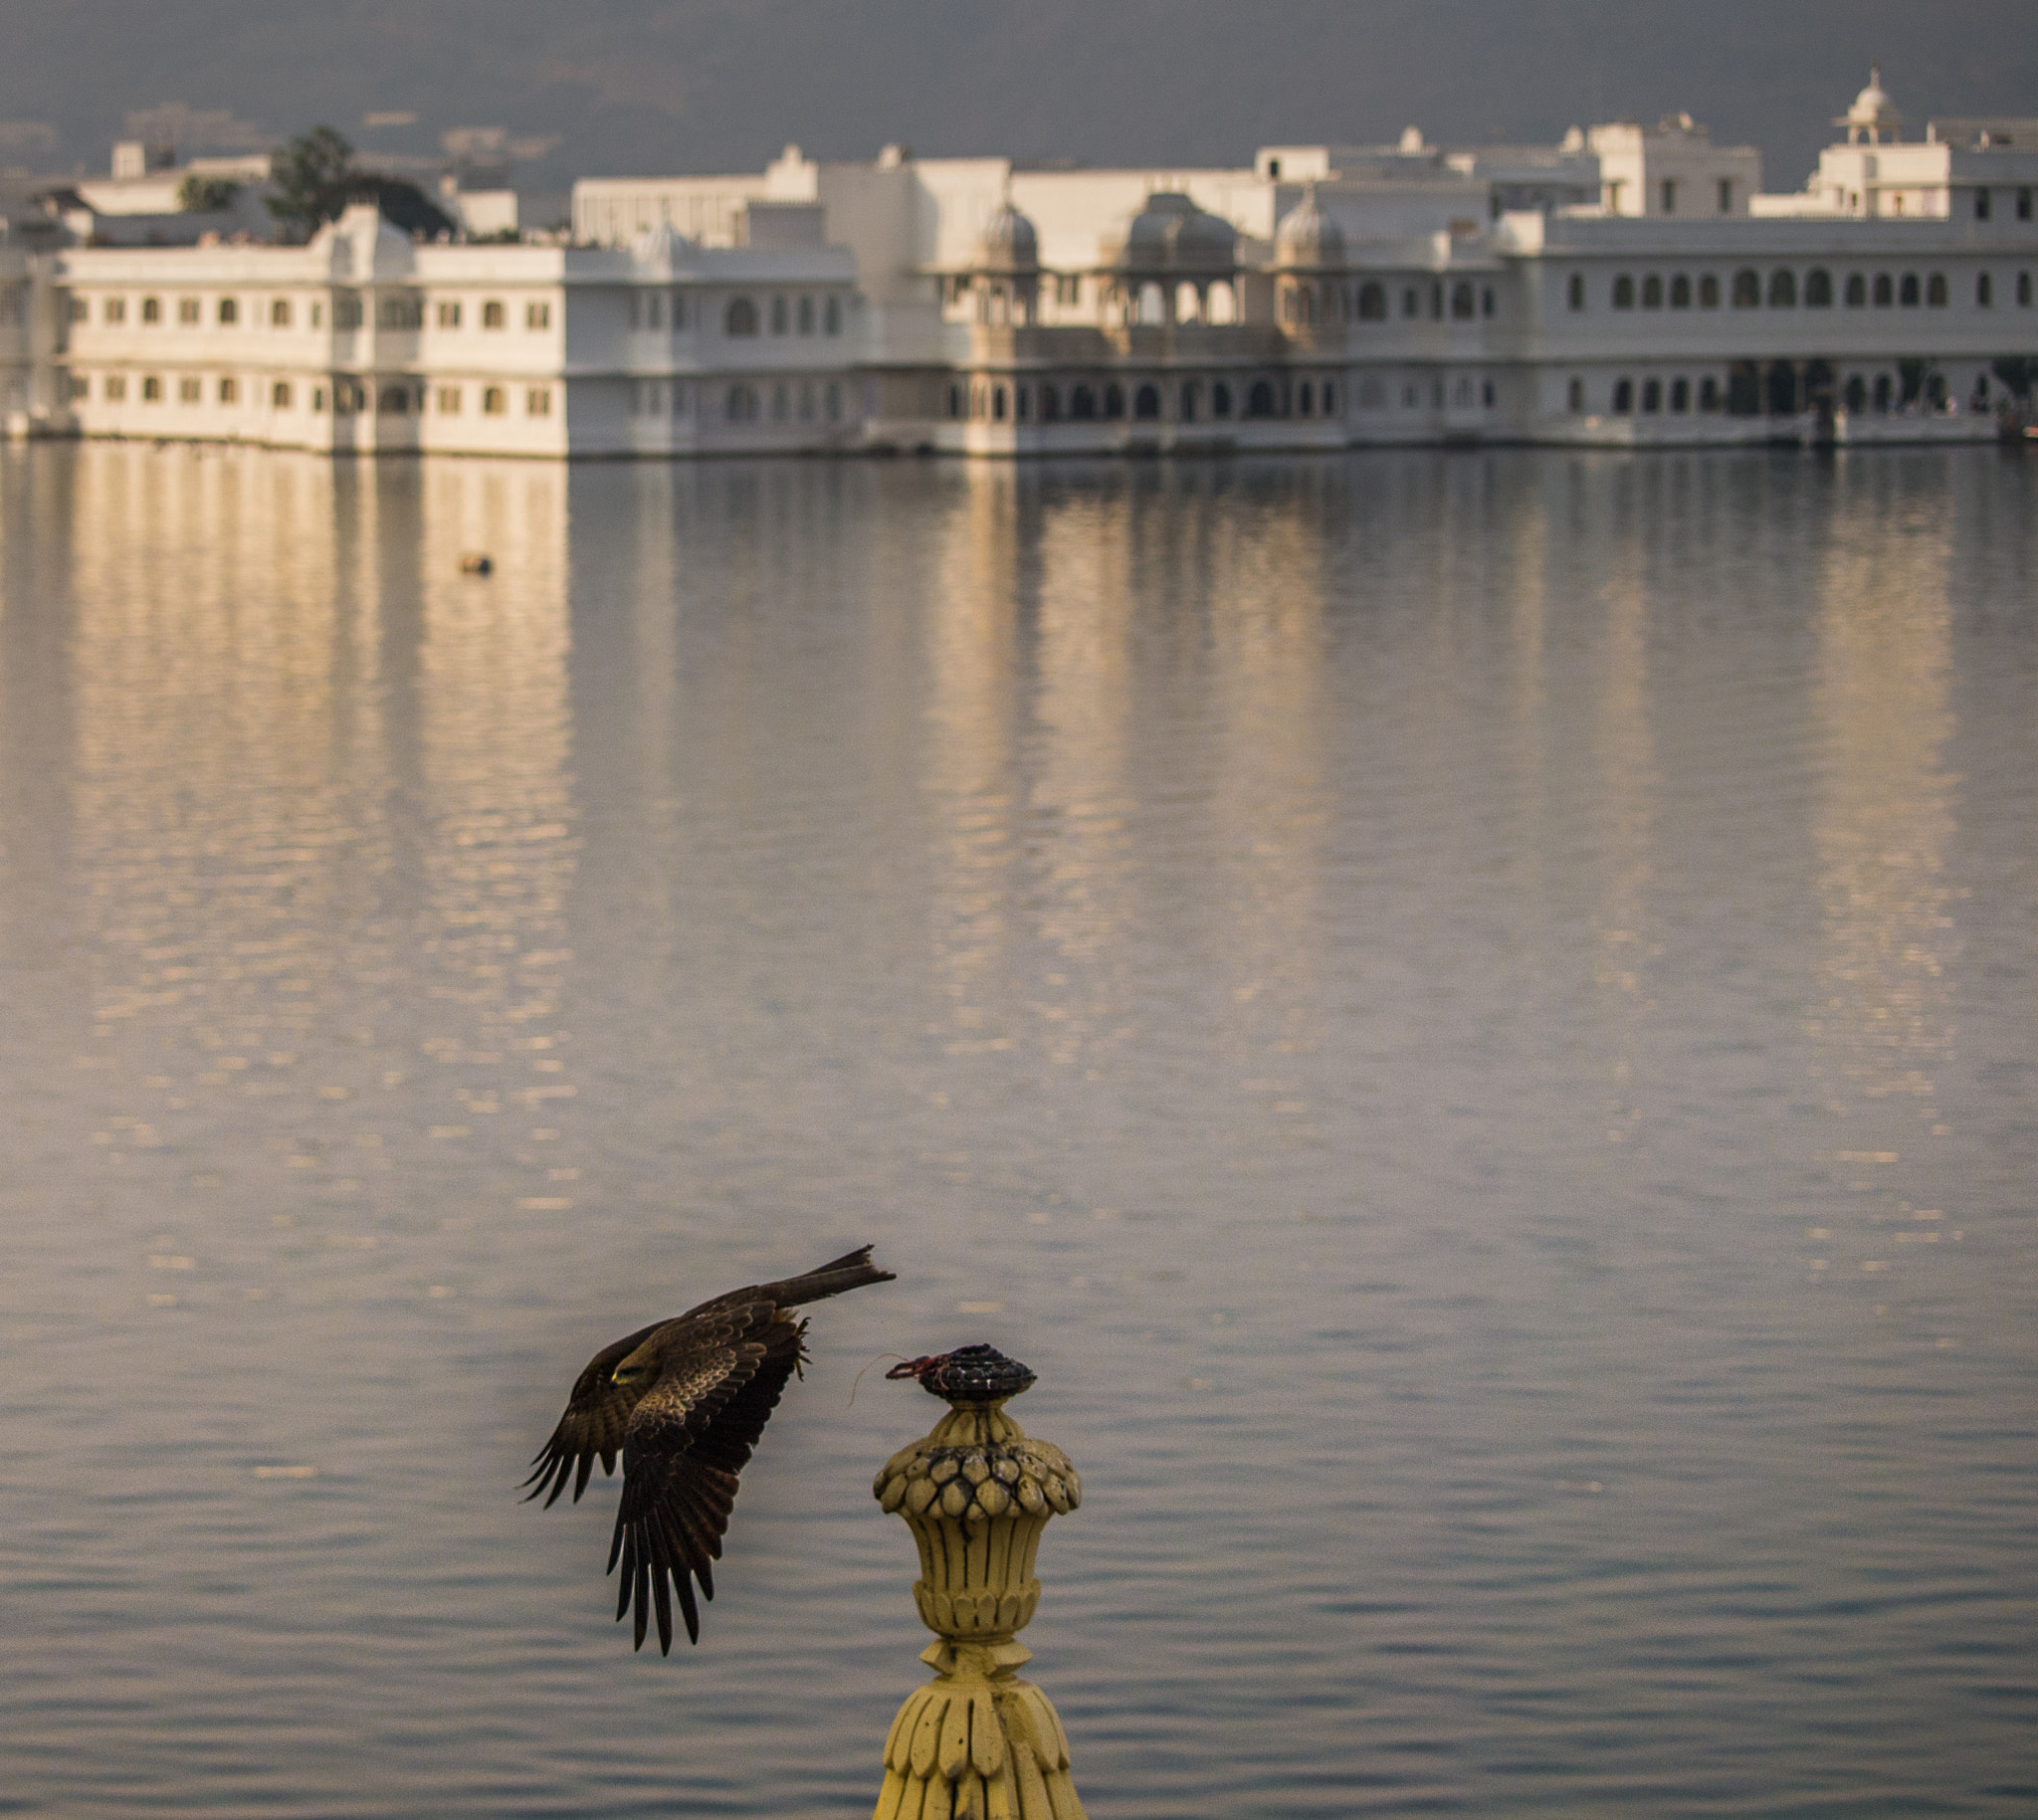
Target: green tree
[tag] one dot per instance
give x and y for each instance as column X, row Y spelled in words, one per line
column 316, row 178
column 198, row 195
column 311, row 175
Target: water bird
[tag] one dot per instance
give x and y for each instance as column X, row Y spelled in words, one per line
column 684, row 1400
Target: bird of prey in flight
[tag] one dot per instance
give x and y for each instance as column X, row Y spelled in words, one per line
column 684, row 1400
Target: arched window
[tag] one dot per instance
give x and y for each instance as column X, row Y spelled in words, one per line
column 1146, row 401
column 280, row 395
column 1907, row 293
column 1856, row 394
column 1679, row 395
column 1818, row 288
column 1882, row 393
column 1050, row 403
column 493, row 402
column 1681, row 291
column 151, row 309
column 1652, row 292
column 1411, row 302
column 1984, row 290
column 1709, row 291
column 280, row 313
column 229, row 312
column 1305, row 400
column 1935, row 290
column 1259, row 400
column 492, row 315
column 1192, row 395
column 2024, row 290
column 1152, row 306
column 1885, row 291
column 1857, row 291
column 742, row 399
column 1372, row 303
column 998, row 404
column 1113, row 401
column 1709, row 393
column 740, row 318
column 1782, row 388
column 831, row 316
column 1623, row 397
column 781, row 319
column 1576, row 398
column 1747, row 289
column 1188, row 302
column 1220, row 400
column 955, row 401
column 1220, row 305
column 1623, row 292
column 1462, row 306
column 1782, row 289
column 1576, row 291
column 1082, row 403
column 1652, row 396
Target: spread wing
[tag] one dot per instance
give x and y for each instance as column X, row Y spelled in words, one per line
column 597, row 1414
column 685, row 1443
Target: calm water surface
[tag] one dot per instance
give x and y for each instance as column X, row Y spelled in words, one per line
column 1472, row 1016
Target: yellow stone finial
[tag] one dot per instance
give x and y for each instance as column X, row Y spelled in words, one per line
column 977, row 1492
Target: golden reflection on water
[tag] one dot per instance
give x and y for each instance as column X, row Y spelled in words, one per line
column 1271, row 805
column 1628, row 784
column 282, row 683
column 1882, row 704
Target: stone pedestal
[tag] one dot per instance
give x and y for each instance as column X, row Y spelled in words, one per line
column 978, row 1492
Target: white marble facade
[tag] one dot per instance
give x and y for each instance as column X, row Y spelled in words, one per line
column 1630, row 286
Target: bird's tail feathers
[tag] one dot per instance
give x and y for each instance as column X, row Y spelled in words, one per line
column 849, row 1272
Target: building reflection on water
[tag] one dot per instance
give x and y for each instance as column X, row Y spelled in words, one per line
column 1070, row 625
column 1880, row 700
column 319, row 804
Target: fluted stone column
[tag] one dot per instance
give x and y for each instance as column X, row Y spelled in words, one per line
column 978, row 1492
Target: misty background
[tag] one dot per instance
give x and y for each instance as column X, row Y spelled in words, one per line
column 616, row 86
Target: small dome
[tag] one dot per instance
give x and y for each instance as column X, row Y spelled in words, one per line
column 1308, row 237
column 1171, row 233
column 1872, row 111
column 1008, row 242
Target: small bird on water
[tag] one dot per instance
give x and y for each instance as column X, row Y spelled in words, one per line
column 685, row 1401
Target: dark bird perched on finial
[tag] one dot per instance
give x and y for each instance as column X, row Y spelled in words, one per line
column 684, row 1400
column 970, row 1374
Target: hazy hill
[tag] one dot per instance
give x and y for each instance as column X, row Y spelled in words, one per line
column 639, row 86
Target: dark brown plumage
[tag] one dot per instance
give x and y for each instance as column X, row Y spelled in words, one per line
column 684, row 1401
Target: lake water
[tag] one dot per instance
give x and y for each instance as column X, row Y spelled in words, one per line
column 1472, row 1015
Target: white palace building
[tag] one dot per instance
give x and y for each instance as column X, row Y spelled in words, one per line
column 1632, row 287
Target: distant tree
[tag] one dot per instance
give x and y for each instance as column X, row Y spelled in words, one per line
column 310, row 174
column 316, row 178
column 198, row 195
column 2018, row 372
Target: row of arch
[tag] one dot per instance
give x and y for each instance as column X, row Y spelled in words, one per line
column 745, row 403
column 1146, row 401
column 789, row 315
column 1786, row 387
column 1304, row 304
column 1784, row 289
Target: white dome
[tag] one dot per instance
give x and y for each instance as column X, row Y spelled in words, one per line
column 1008, row 242
column 1308, row 237
column 1171, row 233
column 1872, row 111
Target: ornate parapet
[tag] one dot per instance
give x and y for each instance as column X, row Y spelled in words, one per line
column 978, row 1492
